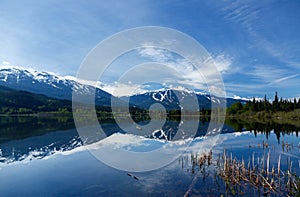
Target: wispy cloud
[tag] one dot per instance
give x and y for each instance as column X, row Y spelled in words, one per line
column 61, row 45
column 278, row 38
column 159, row 55
column 166, row 68
column 270, row 75
column 284, row 78
column 116, row 89
column 188, row 75
column 253, row 44
column 223, row 63
column 245, row 88
column 266, row 73
column 5, row 63
column 240, row 13
column 122, row 89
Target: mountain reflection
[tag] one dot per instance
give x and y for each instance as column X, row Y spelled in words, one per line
column 23, row 137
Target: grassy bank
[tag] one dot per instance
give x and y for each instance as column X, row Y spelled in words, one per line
column 280, row 117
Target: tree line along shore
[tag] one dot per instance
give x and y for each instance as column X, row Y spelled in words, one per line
column 264, row 110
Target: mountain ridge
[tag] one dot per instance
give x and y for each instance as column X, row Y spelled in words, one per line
column 50, row 84
column 55, row 86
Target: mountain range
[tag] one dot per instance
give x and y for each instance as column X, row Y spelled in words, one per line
column 171, row 99
column 54, row 86
column 49, row 84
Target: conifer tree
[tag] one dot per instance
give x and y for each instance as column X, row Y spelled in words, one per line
column 275, row 102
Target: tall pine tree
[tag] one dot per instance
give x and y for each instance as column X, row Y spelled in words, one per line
column 275, row 102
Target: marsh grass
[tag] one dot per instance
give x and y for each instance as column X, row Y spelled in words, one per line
column 240, row 176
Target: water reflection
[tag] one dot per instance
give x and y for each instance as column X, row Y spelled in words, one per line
column 32, row 137
column 69, row 168
column 21, row 127
column 265, row 127
column 22, row 136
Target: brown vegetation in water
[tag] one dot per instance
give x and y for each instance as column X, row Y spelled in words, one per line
column 239, row 176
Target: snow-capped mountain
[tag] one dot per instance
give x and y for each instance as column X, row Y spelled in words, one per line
column 59, row 87
column 172, row 99
column 49, row 84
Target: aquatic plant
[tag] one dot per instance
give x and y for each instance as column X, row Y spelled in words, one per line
column 239, row 176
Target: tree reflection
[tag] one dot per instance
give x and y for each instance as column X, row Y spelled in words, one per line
column 265, row 127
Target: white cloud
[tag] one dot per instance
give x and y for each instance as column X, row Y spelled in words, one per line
column 116, row 89
column 5, row 63
column 8, row 65
column 206, row 74
column 285, row 78
column 241, row 98
column 159, row 55
column 266, row 73
column 254, row 19
column 223, row 63
column 85, row 82
column 248, row 88
column 122, row 89
column 270, row 75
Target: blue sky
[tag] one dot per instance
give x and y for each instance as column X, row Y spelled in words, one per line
column 255, row 44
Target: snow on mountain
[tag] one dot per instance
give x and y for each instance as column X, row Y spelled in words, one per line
column 69, row 144
column 49, row 84
column 172, row 99
column 53, row 85
column 169, row 98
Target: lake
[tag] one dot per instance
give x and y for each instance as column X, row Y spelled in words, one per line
column 46, row 157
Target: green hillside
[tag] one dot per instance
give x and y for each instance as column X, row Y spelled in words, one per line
column 22, row 102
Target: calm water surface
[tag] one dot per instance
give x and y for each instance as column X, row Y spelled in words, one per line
column 45, row 157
